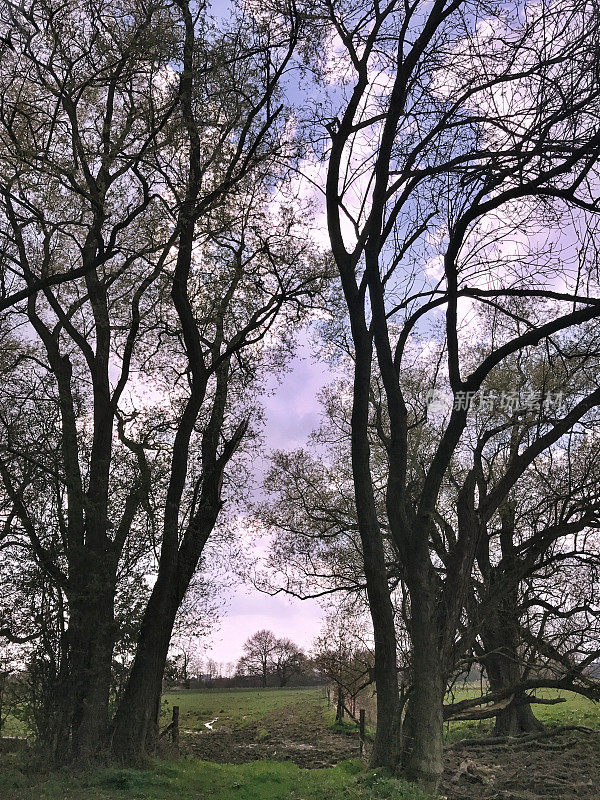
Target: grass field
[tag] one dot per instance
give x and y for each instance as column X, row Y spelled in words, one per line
column 233, row 707
column 192, row 779
column 198, row 780
column 189, row 778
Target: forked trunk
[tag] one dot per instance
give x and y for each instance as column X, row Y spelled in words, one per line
column 386, row 745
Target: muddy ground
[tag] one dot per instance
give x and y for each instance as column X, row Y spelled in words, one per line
column 562, row 763
column 293, row 734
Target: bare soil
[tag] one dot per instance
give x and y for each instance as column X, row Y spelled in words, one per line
column 562, row 763
column 293, row 733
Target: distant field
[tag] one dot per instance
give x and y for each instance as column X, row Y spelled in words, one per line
column 240, row 707
column 233, row 707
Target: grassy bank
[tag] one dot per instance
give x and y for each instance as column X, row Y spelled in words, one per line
column 198, row 780
column 190, row 778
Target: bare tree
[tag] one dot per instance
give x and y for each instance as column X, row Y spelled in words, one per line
column 287, row 660
column 533, row 612
column 257, row 658
column 341, row 655
column 269, row 272
column 80, row 116
column 140, row 160
column 426, row 170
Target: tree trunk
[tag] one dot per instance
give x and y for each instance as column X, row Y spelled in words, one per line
column 339, row 713
column 504, row 670
column 422, row 733
column 92, row 666
column 386, row 745
column 501, row 638
column 387, row 742
column 517, row 718
column 135, row 726
column 84, row 689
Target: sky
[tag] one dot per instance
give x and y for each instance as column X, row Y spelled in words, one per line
column 292, row 412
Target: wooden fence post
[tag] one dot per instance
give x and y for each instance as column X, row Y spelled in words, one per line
column 361, row 729
column 175, row 728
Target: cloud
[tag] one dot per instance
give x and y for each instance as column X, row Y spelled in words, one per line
column 250, row 611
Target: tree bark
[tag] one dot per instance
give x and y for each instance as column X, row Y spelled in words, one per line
column 501, row 636
column 422, row 734
column 387, row 742
column 386, row 745
column 517, row 718
column 504, row 670
column 82, row 725
column 135, row 726
column 92, row 651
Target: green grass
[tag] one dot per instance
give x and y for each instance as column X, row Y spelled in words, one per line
column 197, row 780
column 190, row 779
column 346, row 726
column 233, row 707
column 577, row 710
column 13, row 727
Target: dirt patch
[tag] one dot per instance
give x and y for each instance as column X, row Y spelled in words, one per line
column 562, row 763
column 297, row 734
column 559, row 764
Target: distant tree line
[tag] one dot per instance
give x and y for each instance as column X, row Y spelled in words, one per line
column 268, row 661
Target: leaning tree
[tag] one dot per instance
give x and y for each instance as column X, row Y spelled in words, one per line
column 141, row 156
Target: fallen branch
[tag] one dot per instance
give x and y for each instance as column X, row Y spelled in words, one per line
column 591, row 691
column 169, row 727
column 546, row 701
column 479, row 713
